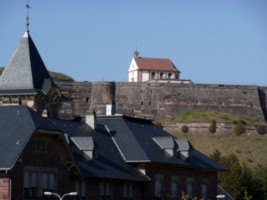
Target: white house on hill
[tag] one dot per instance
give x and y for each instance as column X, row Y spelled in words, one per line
column 149, row 69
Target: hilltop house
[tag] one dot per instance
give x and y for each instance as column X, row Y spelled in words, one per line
column 148, row 69
column 99, row 157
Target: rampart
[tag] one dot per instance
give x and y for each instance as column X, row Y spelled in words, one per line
column 160, row 100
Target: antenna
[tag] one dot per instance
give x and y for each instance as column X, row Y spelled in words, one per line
column 27, row 18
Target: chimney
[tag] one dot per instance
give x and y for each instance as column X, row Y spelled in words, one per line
column 136, row 54
column 90, row 119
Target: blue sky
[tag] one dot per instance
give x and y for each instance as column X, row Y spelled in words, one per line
column 209, row 41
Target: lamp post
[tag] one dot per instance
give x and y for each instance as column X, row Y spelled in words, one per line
column 57, row 195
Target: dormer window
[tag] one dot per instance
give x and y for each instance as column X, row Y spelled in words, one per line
column 86, row 145
column 174, row 147
column 166, row 143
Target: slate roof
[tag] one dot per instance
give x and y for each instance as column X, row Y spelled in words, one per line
column 25, row 72
column 108, row 162
column 135, row 139
column 119, row 142
column 17, row 125
column 157, row 64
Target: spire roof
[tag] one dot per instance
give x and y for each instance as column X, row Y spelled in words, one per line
column 25, row 72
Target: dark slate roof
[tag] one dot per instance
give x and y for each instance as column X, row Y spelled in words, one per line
column 135, row 139
column 17, row 124
column 108, row 162
column 25, row 72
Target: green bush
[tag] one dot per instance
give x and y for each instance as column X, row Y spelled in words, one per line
column 212, row 128
column 239, row 127
column 185, row 129
column 261, row 129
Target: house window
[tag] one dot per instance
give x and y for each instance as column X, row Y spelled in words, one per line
column 153, row 75
column 80, row 188
column 204, row 190
column 158, row 186
column 161, row 75
column 30, row 184
column 175, row 188
column 128, row 191
column 190, row 188
column 169, row 75
column 105, row 192
column 40, row 146
column 49, row 181
column 35, row 183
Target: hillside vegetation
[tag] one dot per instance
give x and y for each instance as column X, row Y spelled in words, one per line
column 207, row 116
column 54, row 75
column 251, row 150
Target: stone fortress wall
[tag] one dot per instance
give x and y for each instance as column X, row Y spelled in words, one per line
column 160, row 100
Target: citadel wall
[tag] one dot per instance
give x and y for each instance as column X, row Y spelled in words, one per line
column 160, row 100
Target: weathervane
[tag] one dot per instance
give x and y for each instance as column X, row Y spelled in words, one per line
column 27, row 18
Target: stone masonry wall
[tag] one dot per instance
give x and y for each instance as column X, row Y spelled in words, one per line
column 161, row 100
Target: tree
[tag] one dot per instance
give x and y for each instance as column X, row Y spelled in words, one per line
column 216, row 155
column 260, row 175
column 212, row 128
column 231, row 180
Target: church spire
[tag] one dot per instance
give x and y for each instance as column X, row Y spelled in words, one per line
column 27, row 18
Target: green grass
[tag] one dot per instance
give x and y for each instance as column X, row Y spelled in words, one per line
column 207, row 116
column 251, row 150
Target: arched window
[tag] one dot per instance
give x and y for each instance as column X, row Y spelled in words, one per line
column 153, row 75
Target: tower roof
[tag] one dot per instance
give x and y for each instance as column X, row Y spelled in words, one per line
column 25, row 72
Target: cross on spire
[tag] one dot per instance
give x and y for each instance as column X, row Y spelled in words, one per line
column 27, row 18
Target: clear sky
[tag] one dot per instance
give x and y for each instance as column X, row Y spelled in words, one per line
column 209, row 41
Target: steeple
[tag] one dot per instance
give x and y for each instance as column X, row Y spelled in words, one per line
column 25, row 71
column 25, row 79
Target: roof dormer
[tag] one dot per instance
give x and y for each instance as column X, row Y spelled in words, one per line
column 174, row 147
column 85, row 145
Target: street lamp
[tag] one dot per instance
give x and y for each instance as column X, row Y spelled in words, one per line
column 220, row 196
column 60, row 198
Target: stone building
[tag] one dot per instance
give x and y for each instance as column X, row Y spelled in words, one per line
column 149, row 69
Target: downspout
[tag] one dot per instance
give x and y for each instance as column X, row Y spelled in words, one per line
column 10, row 188
column 10, row 185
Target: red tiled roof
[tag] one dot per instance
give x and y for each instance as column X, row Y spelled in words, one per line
column 159, row 64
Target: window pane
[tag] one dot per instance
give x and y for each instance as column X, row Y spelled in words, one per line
column 204, row 190
column 26, row 180
column 174, row 189
column 45, row 181
column 52, row 181
column 158, row 188
column 33, row 179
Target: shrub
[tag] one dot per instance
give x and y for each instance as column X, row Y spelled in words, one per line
column 261, row 129
column 239, row 127
column 212, row 128
column 185, row 129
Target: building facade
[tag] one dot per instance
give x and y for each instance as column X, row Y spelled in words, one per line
column 149, row 69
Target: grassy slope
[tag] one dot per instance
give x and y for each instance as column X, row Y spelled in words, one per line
column 251, row 150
